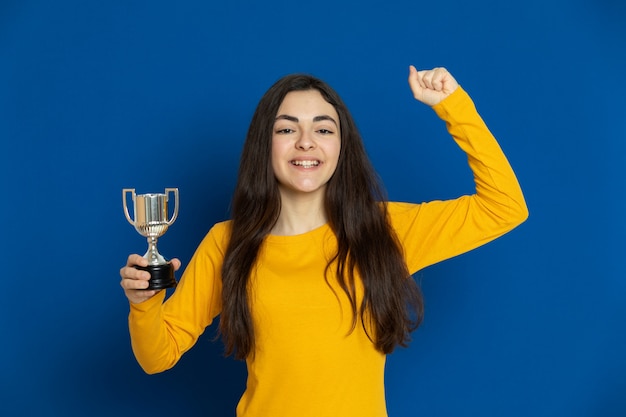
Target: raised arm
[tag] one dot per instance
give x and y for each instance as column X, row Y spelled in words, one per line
column 438, row 230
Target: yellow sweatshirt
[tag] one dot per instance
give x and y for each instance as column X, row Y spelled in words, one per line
column 306, row 361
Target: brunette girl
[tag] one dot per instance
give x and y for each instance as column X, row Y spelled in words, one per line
column 311, row 277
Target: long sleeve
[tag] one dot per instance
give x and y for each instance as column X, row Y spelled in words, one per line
column 438, row 230
column 162, row 331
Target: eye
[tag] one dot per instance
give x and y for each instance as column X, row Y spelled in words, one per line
column 325, row 131
column 284, row 131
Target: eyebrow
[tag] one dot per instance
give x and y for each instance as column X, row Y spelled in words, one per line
column 315, row 119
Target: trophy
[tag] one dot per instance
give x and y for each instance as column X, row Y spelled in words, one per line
column 151, row 221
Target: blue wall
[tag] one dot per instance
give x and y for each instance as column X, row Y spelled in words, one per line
column 99, row 96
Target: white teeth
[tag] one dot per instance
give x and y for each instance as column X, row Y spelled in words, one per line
column 306, row 164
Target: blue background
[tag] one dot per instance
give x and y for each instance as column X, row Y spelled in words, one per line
column 96, row 96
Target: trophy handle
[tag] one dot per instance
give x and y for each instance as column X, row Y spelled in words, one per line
column 125, row 191
column 175, row 214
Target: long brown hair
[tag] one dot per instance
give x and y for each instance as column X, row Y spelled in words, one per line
column 355, row 207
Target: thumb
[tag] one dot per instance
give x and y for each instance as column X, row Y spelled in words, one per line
column 175, row 263
column 416, row 88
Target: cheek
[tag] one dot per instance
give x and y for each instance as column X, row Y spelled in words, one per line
column 335, row 151
column 277, row 155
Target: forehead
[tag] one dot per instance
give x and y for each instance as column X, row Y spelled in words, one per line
column 306, row 103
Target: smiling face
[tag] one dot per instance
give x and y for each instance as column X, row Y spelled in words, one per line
column 306, row 142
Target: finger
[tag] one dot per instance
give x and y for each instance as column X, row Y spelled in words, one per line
column 134, row 284
column 138, row 260
column 130, row 272
column 415, row 82
column 437, row 82
column 413, row 78
column 176, row 263
column 440, row 77
column 422, row 78
column 434, row 79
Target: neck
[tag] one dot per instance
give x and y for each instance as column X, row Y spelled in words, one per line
column 300, row 214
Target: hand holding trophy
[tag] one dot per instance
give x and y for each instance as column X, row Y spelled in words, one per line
column 151, row 221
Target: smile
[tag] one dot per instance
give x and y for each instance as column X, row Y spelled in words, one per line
column 306, row 164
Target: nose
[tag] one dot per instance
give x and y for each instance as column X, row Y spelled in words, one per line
column 305, row 142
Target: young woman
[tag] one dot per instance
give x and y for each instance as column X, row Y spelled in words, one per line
column 312, row 275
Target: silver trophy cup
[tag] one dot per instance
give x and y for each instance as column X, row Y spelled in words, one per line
column 151, row 221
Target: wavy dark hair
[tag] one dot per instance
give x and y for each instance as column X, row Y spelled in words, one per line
column 368, row 248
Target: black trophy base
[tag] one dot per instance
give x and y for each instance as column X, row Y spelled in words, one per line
column 161, row 276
